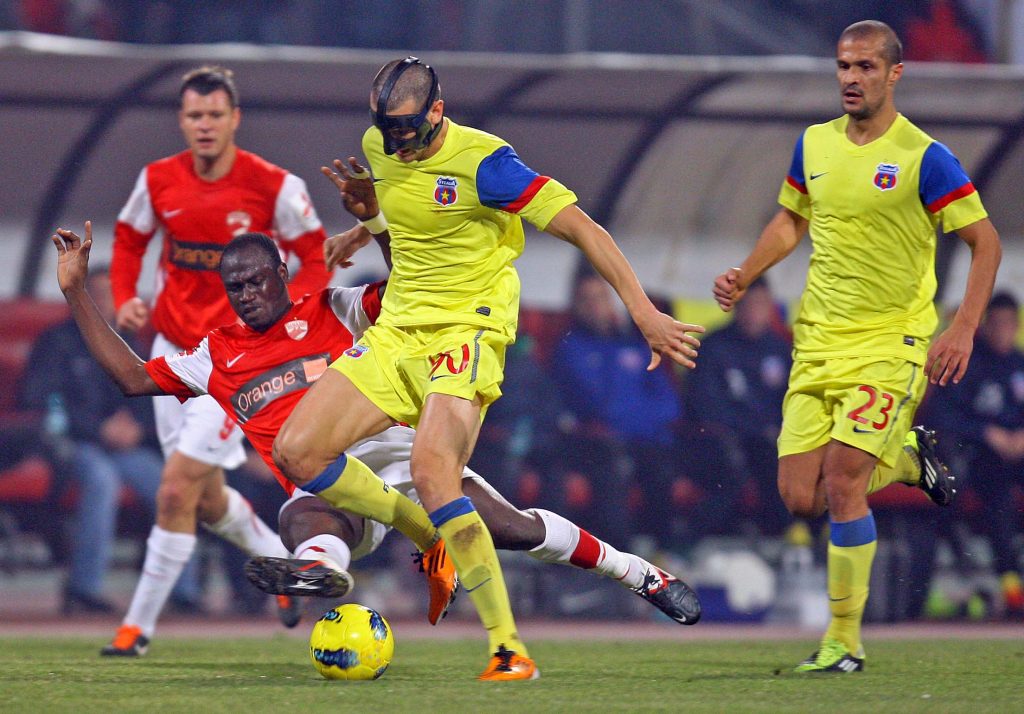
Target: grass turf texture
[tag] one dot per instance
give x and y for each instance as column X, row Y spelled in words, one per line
column 275, row 675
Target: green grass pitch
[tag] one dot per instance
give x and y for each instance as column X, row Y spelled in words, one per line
column 275, row 675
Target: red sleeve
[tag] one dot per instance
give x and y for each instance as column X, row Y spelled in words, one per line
column 312, row 274
column 371, row 300
column 126, row 262
column 167, row 380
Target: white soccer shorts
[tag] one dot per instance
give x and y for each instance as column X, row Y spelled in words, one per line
column 199, row 428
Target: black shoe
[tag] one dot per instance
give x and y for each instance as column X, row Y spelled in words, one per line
column 936, row 480
column 670, row 595
column 82, row 603
column 128, row 642
column 289, row 576
column 833, row 656
column 289, row 610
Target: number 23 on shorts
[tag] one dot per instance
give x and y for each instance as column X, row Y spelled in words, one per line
column 877, row 405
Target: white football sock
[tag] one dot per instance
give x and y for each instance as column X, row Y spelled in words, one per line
column 166, row 556
column 568, row 544
column 241, row 526
column 331, row 549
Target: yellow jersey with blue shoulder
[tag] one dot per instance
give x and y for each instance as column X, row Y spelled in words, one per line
column 455, row 221
column 873, row 212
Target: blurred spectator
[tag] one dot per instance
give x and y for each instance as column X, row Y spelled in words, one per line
column 735, row 398
column 519, row 441
column 76, row 18
column 619, row 418
column 943, row 34
column 97, row 442
column 984, row 416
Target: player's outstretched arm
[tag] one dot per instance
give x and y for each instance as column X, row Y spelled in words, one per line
column 950, row 353
column 117, row 358
column 778, row 239
column 666, row 336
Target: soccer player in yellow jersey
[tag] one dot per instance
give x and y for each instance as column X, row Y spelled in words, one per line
column 872, row 189
column 454, row 199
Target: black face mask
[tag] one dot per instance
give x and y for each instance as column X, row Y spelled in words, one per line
column 395, row 128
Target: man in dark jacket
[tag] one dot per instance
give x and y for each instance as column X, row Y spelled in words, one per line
column 736, row 398
column 984, row 415
column 622, row 419
column 96, row 440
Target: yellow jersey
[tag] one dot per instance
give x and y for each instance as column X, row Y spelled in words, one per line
column 873, row 211
column 455, row 221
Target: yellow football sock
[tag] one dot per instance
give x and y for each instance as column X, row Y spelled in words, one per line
column 849, row 573
column 470, row 546
column 907, row 469
column 349, row 484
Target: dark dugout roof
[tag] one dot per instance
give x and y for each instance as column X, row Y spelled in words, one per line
column 661, row 149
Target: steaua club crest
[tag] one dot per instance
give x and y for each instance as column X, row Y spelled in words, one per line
column 297, row 329
column 885, row 179
column 446, row 192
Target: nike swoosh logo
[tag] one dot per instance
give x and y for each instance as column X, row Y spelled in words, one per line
column 814, row 176
column 469, row 590
column 172, row 214
column 839, row 599
column 305, row 585
column 863, row 431
column 439, row 376
column 231, row 362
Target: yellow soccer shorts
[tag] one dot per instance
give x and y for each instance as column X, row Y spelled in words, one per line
column 868, row 403
column 398, row 367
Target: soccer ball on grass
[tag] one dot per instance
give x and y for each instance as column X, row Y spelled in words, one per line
column 351, row 642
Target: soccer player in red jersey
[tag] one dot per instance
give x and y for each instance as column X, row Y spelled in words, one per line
column 259, row 369
column 198, row 200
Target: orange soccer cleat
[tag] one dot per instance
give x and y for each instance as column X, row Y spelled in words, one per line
column 507, row 665
column 128, row 642
column 441, row 579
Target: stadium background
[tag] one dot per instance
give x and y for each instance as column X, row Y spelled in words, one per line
column 673, row 122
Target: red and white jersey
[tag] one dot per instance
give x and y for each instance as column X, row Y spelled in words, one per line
column 259, row 377
column 197, row 219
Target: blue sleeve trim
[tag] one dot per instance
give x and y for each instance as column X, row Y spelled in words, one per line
column 941, row 173
column 796, row 167
column 328, row 476
column 853, row 533
column 458, row 507
column 502, row 178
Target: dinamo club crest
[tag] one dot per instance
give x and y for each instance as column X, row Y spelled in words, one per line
column 885, row 179
column 239, row 222
column 297, row 329
column 446, row 192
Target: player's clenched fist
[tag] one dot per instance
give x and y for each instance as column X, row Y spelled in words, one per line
column 132, row 315
column 339, row 248
column 727, row 290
